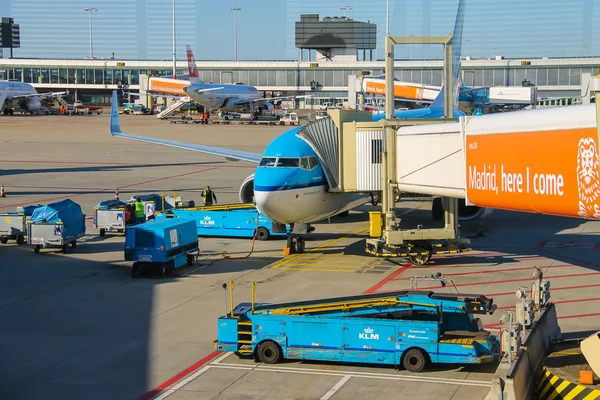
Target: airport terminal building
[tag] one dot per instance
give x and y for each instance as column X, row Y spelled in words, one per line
column 93, row 80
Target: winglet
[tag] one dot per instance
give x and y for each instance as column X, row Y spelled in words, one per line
column 193, row 71
column 115, row 125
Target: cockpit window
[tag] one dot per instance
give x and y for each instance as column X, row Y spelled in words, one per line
column 313, row 162
column 267, row 162
column 288, row 162
column 304, row 163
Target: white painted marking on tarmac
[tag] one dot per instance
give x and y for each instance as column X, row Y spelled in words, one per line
column 221, row 358
column 182, row 383
column 336, row 387
column 379, row 375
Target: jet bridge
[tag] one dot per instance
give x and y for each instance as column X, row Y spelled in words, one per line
column 391, row 157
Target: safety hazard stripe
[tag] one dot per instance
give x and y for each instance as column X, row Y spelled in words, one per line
column 553, row 387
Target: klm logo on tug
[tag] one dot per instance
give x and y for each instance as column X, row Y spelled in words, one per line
column 368, row 335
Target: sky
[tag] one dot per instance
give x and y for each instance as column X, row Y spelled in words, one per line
column 511, row 28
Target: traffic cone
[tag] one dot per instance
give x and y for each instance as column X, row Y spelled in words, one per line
column 116, row 194
column 2, row 191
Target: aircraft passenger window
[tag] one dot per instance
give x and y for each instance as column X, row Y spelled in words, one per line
column 288, row 162
column 267, row 162
column 312, row 162
column 304, row 163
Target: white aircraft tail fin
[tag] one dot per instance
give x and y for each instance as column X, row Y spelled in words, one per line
column 194, row 76
column 457, row 83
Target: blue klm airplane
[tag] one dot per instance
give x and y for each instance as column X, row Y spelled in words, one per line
column 289, row 185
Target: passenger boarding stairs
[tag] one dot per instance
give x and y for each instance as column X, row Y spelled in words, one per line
column 173, row 107
column 394, row 305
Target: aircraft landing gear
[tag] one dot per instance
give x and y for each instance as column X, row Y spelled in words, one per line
column 296, row 243
column 296, row 238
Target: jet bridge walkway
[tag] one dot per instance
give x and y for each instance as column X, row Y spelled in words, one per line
column 349, row 147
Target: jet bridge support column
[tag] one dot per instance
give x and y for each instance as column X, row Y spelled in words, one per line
column 417, row 244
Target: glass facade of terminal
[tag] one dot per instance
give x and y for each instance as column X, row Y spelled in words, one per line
column 302, row 77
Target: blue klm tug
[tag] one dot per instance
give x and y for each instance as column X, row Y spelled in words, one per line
column 408, row 328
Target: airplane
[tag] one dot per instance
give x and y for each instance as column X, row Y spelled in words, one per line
column 289, row 184
column 23, row 94
column 225, row 97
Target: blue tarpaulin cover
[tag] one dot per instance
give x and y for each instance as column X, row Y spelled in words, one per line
column 67, row 211
column 110, row 204
column 28, row 210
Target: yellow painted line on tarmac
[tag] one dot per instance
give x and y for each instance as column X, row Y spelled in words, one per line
column 352, row 270
column 288, row 260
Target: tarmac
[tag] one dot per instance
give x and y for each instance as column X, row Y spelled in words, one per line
column 77, row 326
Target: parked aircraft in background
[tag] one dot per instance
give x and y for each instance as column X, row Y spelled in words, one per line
column 226, row 97
column 23, row 95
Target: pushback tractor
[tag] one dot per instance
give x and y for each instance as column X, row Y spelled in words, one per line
column 405, row 328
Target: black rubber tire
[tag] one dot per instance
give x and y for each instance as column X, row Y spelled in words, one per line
column 74, row 243
column 4, row 240
column 262, row 233
column 190, row 260
column 437, row 209
column 64, row 248
column 135, row 270
column 269, row 352
column 300, row 245
column 421, row 259
column 20, row 240
column 102, row 231
column 414, row 360
column 36, row 249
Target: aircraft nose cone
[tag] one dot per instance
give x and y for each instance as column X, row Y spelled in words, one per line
column 267, row 205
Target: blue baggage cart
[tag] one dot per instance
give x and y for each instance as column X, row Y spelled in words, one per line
column 56, row 225
column 230, row 220
column 163, row 245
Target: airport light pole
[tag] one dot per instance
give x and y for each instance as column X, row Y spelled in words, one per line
column 90, row 10
column 345, row 8
column 235, row 10
column 467, row 47
column 174, row 46
column 411, row 48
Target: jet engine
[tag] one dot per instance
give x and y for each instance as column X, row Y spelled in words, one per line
column 31, row 105
column 247, row 190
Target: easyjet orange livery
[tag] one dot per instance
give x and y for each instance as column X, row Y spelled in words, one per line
column 541, row 161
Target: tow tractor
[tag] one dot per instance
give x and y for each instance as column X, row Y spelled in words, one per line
column 405, row 328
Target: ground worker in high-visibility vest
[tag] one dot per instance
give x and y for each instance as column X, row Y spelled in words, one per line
column 140, row 214
column 209, row 196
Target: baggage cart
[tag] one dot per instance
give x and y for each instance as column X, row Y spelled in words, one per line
column 111, row 216
column 56, row 225
column 227, row 220
column 161, row 245
column 12, row 226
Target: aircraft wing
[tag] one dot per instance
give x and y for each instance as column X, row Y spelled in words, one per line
column 234, row 155
column 280, row 98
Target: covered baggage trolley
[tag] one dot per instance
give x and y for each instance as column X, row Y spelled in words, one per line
column 164, row 245
column 56, row 225
column 113, row 216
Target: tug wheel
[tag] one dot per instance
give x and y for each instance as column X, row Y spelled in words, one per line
column 269, row 352
column 414, row 360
